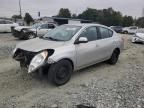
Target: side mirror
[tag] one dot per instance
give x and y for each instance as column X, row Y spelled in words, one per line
column 81, row 40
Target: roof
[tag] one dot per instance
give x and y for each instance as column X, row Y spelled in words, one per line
column 66, row 18
column 88, row 24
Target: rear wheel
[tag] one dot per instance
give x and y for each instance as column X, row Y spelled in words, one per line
column 114, row 57
column 60, row 72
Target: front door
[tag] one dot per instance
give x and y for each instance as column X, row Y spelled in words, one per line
column 86, row 52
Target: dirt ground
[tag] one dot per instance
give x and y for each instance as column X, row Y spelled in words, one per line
column 101, row 85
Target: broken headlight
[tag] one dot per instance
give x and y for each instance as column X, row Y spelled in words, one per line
column 37, row 61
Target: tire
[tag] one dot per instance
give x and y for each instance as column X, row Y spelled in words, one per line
column 114, row 57
column 31, row 36
column 21, row 35
column 125, row 32
column 60, row 72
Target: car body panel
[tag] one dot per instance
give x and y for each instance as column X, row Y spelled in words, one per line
column 37, row 44
column 6, row 27
column 138, row 37
column 130, row 30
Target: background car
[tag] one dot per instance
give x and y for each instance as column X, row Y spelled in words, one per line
column 117, row 29
column 130, row 30
column 68, row 48
column 39, row 30
column 5, row 25
column 139, row 36
column 16, row 31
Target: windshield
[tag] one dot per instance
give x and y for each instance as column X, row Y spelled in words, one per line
column 62, row 33
column 35, row 26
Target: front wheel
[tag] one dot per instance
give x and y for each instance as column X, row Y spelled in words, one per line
column 31, row 36
column 60, row 72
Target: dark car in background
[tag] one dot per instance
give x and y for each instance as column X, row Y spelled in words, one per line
column 117, row 29
column 36, row 30
column 17, row 31
column 41, row 30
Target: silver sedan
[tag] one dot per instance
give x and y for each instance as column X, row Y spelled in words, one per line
column 68, row 48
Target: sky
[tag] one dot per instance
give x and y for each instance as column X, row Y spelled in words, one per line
column 51, row 7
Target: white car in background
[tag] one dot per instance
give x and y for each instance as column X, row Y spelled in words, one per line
column 5, row 25
column 130, row 30
column 139, row 36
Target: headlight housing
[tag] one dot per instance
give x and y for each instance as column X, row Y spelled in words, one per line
column 37, row 61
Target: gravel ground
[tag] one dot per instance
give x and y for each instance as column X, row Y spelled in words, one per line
column 100, row 86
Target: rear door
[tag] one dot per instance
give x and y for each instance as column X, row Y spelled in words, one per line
column 105, row 43
column 2, row 26
column 133, row 29
column 8, row 25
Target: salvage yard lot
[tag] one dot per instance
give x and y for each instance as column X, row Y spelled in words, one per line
column 101, row 85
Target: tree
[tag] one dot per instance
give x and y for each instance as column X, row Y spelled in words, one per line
column 107, row 17
column 28, row 18
column 140, row 22
column 74, row 16
column 64, row 12
column 89, row 14
column 16, row 17
column 128, row 21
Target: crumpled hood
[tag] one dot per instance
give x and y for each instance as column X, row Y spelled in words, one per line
column 37, row 44
column 141, row 35
column 21, row 27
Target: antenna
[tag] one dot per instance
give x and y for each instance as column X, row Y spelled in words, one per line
column 20, row 8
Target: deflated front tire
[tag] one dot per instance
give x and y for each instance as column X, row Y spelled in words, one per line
column 60, row 72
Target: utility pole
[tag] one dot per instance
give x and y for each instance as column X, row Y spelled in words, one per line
column 20, row 8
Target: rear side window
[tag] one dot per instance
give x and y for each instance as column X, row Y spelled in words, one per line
column 90, row 33
column 110, row 33
column 133, row 28
column 105, row 33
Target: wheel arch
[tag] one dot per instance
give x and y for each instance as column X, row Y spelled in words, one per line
column 117, row 50
column 68, row 59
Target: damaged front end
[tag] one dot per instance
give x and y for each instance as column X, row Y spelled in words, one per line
column 24, row 57
column 31, row 60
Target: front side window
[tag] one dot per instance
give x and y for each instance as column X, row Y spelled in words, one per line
column 90, row 33
column 51, row 26
column 44, row 26
column 35, row 26
column 62, row 33
column 105, row 33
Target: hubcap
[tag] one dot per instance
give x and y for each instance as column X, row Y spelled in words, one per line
column 62, row 73
column 31, row 36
